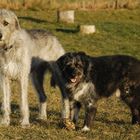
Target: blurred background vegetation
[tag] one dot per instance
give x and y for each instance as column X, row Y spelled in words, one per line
column 69, row 4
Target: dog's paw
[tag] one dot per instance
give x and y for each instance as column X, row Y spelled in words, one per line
column 5, row 121
column 42, row 117
column 68, row 124
column 25, row 124
column 85, row 129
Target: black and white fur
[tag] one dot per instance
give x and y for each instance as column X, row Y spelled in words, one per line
column 87, row 79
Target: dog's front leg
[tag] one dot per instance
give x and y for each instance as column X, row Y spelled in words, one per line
column 89, row 116
column 67, row 122
column 74, row 111
column 5, row 87
column 57, row 76
column 65, row 108
column 24, row 101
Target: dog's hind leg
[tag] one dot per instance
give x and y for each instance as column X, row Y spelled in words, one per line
column 135, row 111
column 132, row 99
column 37, row 76
column 65, row 99
column 135, row 116
column 5, row 86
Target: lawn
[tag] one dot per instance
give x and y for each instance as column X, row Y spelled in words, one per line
column 117, row 32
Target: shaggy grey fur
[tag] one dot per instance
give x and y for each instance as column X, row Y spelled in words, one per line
column 21, row 51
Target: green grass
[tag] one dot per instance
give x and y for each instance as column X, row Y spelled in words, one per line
column 118, row 32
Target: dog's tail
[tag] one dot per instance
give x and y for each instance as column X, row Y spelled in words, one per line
column 39, row 64
column 53, row 81
column 40, row 67
column 53, row 69
column 57, row 78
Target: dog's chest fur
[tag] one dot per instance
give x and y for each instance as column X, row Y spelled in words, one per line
column 84, row 92
column 11, row 66
column 12, row 69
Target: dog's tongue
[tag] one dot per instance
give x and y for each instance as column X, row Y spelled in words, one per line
column 73, row 80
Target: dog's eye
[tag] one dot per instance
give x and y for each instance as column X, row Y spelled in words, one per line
column 5, row 23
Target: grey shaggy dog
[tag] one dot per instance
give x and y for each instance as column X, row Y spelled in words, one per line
column 86, row 79
column 21, row 52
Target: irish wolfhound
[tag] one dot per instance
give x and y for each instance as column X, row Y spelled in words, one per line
column 21, row 51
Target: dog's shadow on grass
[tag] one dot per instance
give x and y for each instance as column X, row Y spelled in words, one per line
column 118, row 122
column 52, row 120
column 33, row 19
column 67, row 30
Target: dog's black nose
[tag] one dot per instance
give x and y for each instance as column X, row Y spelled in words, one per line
column 0, row 35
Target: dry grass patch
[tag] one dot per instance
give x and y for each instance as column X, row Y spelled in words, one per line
column 69, row 4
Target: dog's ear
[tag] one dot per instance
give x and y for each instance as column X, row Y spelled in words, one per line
column 17, row 25
column 60, row 62
column 82, row 56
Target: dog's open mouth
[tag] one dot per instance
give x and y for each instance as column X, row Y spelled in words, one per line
column 74, row 79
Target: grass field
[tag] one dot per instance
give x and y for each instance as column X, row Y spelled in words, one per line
column 118, row 32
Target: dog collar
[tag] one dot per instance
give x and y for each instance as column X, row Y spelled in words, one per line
column 6, row 49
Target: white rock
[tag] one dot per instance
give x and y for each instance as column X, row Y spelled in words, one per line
column 87, row 29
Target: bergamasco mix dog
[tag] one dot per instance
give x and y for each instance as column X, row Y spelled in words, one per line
column 86, row 79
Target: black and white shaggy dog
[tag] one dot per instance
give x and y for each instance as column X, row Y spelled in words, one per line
column 88, row 79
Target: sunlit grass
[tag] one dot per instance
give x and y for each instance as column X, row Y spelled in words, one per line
column 117, row 32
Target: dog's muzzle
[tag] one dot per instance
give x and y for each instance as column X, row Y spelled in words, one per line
column 74, row 79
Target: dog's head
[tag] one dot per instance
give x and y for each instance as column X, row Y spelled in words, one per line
column 72, row 67
column 8, row 25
